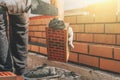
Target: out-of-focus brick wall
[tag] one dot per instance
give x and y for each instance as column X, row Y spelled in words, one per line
column 96, row 36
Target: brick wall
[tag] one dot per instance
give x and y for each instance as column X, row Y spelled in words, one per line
column 96, row 36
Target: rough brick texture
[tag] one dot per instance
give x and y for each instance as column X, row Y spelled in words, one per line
column 94, row 28
column 100, row 50
column 89, row 60
column 73, row 57
column 117, row 53
column 104, row 38
column 7, row 76
column 85, row 37
column 80, row 48
column 118, row 39
column 57, row 44
column 110, row 65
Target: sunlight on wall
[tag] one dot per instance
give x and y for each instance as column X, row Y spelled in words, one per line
column 72, row 4
column 94, row 1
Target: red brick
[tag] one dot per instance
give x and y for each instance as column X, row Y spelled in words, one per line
column 112, row 28
column 75, row 36
column 117, row 53
column 118, row 39
column 42, row 40
column 101, row 50
column 110, row 65
column 85, row 37
column 33, row 28
column 38, row 34
column 104, row 38
column 80, row 47
column 31, row 33
column 73, row 57
column 78, row 28
column 94, row 28
column 57, row 44
column 89, row 60
column 40, row 20
column 43, row 34
column 30, row 28
column 43, row 50
column 34, row 48
column 7, row 76
column 41, row 28
column 34, row 39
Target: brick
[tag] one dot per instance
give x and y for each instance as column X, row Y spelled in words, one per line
column 43, row 34
column 104, row 38
column 105, row 18
column 80, row 48
column 78, row 28
column 84, row 37
column 31, row 33
column 100, row 50
column 75, row 36
column 34, row 39
column 94, row 28
column 117, row 53
column 43, row 50
column 42, row 40
column 30, row 28
column 41, row 28
column 110, row 65
column 57, row 44
column 70, row 19
column 34, row 48
column 73, row 57
column 38, row 34
column 37, row 28
column 118, row 39
column 85, row 19
column 112, row 28
column 34, row 28
column 7, row 76
column 89, row 60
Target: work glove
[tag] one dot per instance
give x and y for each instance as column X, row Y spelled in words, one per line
column 15, row 6
column 70, row 37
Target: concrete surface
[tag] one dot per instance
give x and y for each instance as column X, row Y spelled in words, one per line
column 85, row 72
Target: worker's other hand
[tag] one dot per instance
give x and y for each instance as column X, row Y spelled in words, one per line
column 70, row 37
column 15, row 6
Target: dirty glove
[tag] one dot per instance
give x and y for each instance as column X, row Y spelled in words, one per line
column 15, row 6
column 70, row 37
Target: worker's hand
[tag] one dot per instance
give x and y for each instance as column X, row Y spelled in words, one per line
column 70, row 37
column 15, row 6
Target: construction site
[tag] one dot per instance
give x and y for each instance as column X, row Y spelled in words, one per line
column 96, row 40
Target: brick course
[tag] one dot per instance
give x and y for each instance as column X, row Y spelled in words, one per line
column 84, row 37
column 80, row 48
column 94, row 28
column 89, row 60
column 104, row 38
column 100, row 50
column 96, row 36
column 110, row 65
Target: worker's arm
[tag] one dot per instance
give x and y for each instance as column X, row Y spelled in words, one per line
column 15, row 6
column 60, row 5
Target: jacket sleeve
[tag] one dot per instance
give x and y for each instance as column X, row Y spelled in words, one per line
column 16, row 6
